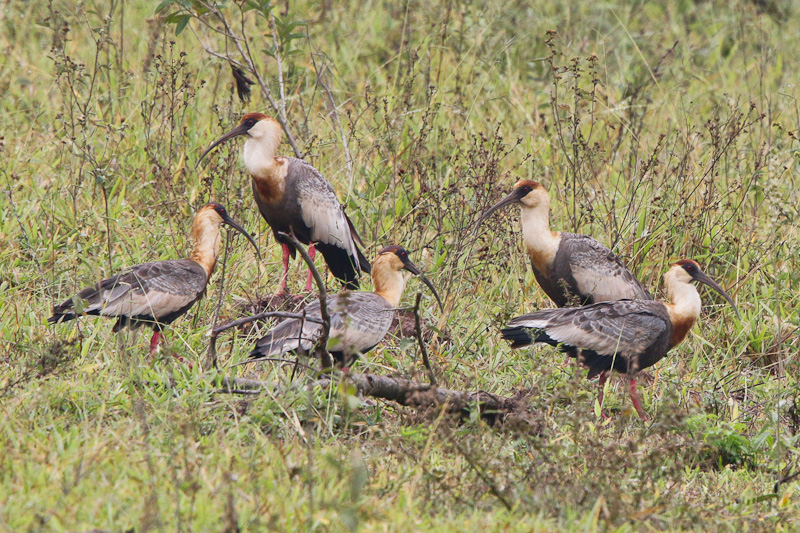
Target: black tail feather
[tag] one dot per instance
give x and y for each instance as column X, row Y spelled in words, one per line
column 341, row 264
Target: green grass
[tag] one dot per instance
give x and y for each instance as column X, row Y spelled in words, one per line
column 663, row 129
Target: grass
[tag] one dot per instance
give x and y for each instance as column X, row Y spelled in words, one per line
column 663, row 129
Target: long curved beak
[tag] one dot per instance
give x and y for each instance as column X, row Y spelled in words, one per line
column 512, row 198
column 232, row 223
column 235, row 132
column 702, row 277
column 411, row 267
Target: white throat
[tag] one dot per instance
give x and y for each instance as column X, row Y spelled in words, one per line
column 260, row 148
column 684, row 296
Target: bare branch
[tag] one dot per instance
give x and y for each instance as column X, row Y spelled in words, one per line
column 250, row 65
column 212, row 345
column 322, row 342
column 280, row 64
column 335, row 116
column 423, row 349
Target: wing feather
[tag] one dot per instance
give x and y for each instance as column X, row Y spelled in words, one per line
column 598, row 271
column 322, row 212
column 359, row 321
column 628, row 328
column 153, row 289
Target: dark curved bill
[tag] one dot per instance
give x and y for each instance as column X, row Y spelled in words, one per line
column 235, row 132
column 512, row 198
column 411, row 267
column 702, row 277
column 229, row 221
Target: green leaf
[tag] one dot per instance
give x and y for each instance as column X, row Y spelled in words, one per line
column 181, row 23
column 164, row 5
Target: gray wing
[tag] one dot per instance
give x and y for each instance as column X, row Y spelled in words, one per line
column 627, row 328
column 156, row 290
column 322, row 212
column 359, row 321
column 598, row 272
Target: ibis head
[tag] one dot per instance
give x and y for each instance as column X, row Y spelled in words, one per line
column 215, row 215
column 527, row 193
column 687, row 270
column 394, row 259
column 262, row 131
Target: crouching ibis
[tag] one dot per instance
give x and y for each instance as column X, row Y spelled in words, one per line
column 293, row 196
column 359, row 320
column 571, row 269
column 155, row 294
column 626, row 335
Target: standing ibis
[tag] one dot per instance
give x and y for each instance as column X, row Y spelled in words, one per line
column 626, row 335
column 359, row 320
column 155, row 294
column 572, row 269
column 294, row 197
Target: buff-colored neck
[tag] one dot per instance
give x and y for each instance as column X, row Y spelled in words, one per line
column 684, row 306
column 388, row 281
column 542, row 243
column 206, row 236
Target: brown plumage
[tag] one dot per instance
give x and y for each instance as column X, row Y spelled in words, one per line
column 155, row 294
column 293, row 196
column 359, row 320
column 571, row 269
column 625, row 336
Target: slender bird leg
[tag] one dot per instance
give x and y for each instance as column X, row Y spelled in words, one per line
column 312, row 253
column 155, row 340
column 285, row 277
column 635, row 399
column 602, row 382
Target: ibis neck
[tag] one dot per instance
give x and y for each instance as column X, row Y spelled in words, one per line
column 542, row 243
column 684, row 308
column 259, row 154
column 389, row 284
column 206, row 245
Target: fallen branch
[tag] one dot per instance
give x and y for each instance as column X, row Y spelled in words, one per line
column 409, row 393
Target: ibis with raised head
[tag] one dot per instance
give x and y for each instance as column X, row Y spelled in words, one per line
column 293, row 197
column 359, row 320
column 626, row 336
column 155, row 294
column 572, row 269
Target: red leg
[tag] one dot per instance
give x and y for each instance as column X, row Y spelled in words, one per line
column 183, row 360
column 155, row 340
column 312, row 252
column 602, row 382
column 285, row 277
column 635, row 399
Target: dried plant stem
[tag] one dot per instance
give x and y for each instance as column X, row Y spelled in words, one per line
column 423, row 349
column 322, row 342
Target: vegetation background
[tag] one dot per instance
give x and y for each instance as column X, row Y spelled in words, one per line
column 664, row 129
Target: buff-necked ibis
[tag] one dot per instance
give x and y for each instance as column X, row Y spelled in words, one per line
column 294, row 197
column 359, row 320
column 626, row 336
column 155, row 294
column 572, row 269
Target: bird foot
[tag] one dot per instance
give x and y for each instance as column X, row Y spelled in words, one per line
column 183, row 360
